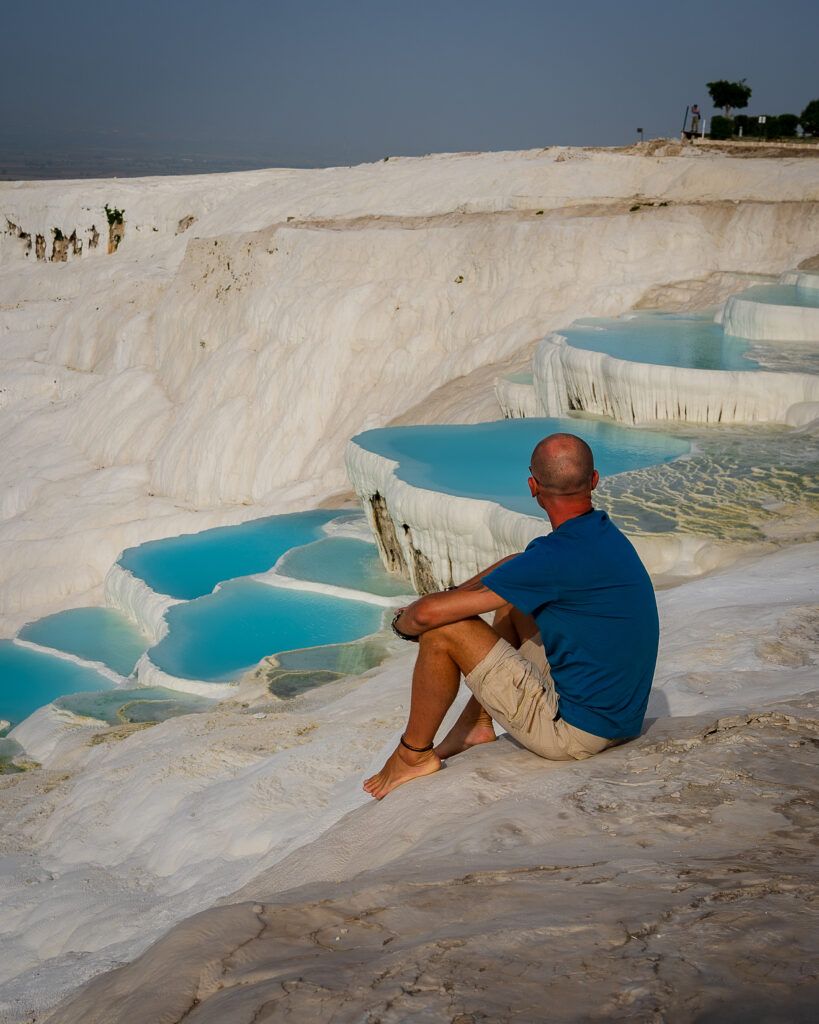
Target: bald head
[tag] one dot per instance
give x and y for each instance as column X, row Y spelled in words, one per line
column 563, row 464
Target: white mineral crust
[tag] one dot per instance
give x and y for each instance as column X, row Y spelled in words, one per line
column 744, row 317
column 213, row 367
column 138, row 602
column 568, row 378
column 517, row 400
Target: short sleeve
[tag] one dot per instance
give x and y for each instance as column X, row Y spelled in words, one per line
column 525, row 581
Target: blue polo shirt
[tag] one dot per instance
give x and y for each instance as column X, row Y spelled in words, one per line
column 594, row 604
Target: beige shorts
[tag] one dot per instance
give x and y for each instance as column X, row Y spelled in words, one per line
column 517, row 689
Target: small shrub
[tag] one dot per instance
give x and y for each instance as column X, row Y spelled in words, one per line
column 721, row 127
column 787, row 125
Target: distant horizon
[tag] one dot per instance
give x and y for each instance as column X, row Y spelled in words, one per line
column 176, row 166
column 202, row 86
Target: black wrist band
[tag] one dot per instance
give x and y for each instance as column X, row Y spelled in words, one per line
column 398, row 632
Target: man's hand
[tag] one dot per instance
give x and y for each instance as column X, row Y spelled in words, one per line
column 464, row 602
column 397, row 629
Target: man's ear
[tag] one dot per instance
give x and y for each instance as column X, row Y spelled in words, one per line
column 533, row 486
column 595, row 479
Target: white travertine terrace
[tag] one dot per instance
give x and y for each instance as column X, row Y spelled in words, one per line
column 150, row 674
column 439, row 539
column 138, row 602
column 567, row 378
column 743, row 317
column 151, row 392
column 805, row 280
column 517, row 399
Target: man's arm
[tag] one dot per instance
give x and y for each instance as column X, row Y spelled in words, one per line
column 464, row 602
column 468, row 584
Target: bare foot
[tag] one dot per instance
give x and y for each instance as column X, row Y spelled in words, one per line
column 462, row 737
column 402, row 766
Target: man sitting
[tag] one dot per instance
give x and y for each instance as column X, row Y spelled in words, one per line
column 567, row 665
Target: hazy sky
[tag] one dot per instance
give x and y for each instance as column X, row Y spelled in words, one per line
column 315, row 82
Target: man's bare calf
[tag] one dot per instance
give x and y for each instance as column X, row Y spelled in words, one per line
column 444, row 654
column 474, row 726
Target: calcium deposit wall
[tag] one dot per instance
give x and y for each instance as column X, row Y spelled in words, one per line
column 213, row 367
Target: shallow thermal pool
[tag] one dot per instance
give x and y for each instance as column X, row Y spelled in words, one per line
column 295, row 672
column 29, row 679
column 491, row 460
column 666, row 339
column 342, row 562
column 140, row 704
column 782, row 295
column 217, row 637
column 190, row 566
column 94, row 634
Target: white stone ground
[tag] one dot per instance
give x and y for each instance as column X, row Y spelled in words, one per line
column 125, row 831
column 213, row 373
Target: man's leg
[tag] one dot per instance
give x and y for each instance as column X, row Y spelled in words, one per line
column 474, row 726
column 444, row 654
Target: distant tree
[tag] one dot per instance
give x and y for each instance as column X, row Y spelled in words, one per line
column 729, row 95
column 809, row 118
column 787, row 125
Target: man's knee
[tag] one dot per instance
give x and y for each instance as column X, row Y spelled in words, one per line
column 449, row 636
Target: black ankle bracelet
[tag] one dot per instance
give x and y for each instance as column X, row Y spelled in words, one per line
column 417, row 750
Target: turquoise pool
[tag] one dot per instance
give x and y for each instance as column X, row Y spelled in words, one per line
column 190, row 566
column 782, row 295
column 342, row 562
column 95, row 634
column 139, row 704
column 666, row 339
column 491, row 460
column 217, row 637
column 29, row 679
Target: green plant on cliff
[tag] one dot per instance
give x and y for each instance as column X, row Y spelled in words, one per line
column 729, row 95
column 114, row 215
